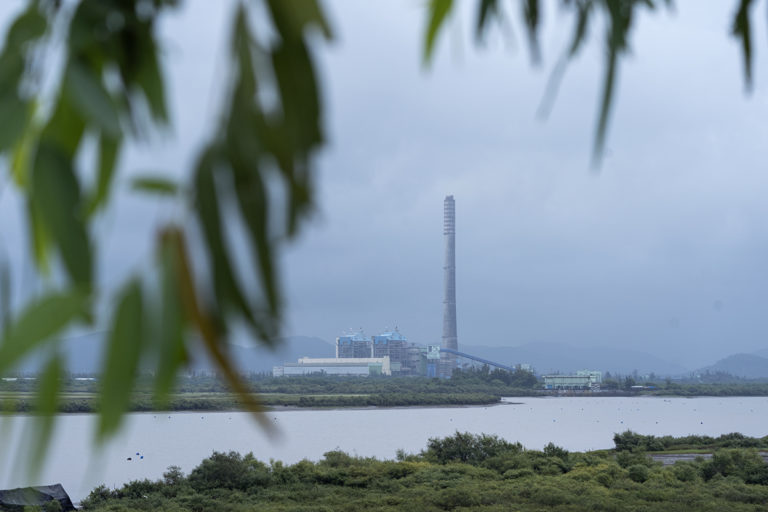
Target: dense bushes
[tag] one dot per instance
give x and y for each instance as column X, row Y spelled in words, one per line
column 460, row 472
column 468, row 448
column 631, row 441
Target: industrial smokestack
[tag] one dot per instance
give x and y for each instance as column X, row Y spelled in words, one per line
column 450, row 339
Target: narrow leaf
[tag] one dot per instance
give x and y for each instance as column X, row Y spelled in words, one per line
column 155, row 185
column 56, row 194
column 47, row 404
column 86, row 91
column 66, row 128
column 226, row 287
column 486, row 10
column 742, row 30
column 42, row 244
column 210, row 335
column 124, row 347
column 38, row 323
column 299, row 96
column 150, row 79
column 108, row 153
column 531, row 15
column 22, row 151
column 170, row 329
column 605, row 108
column 438, row 13
column 253, row 202
column 29, row 26
column 5, row 299
column 13, row 113
column 291, row 17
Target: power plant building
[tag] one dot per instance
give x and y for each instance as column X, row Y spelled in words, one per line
column 395, row 346
column 355, row 345
column 583, row 380
column 356, row 367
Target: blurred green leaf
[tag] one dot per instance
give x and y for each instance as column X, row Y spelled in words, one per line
column 40, row 238
column 13, row 113
column 65, row 129
column 5, row 298
column 209, row 332
column 57, row 198
column 291, row 17
column 124, row 349
column 108, row 153
column 29, row 26
column 486, row 10
column 226, row 288
column 86, row 91
column 22, row 151
column 46, row 409
column 741, row 29
column 299, row 95
column 150, row 79
column 39, row 322
column 254, row 207
column 438, row 11
column 531, row 14
column 170, row 331
column 155, row 185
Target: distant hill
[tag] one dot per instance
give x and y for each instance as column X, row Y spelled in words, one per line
column 762, row 353
column 559, row 357
column 749, row 366
column 261, row 359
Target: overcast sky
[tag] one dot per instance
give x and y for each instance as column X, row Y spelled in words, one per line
column 664, row 250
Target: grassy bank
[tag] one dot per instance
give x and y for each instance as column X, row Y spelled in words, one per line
column 88, row 402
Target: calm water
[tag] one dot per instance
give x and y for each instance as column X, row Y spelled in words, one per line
column 184, row 439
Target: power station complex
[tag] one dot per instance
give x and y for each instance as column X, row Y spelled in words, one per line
column 390, row 353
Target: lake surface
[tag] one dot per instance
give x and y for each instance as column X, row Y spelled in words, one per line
column 184, row 439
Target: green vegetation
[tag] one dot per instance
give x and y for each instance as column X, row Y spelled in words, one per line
column 230, row 402
column 208, row 393
column 632, row 442
column 479, row 386
column 460, row 472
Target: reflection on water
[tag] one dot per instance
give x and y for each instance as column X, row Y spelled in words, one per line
column 184, row 439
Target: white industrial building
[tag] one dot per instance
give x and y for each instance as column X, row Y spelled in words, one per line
column 352, row 366
column 584, row 379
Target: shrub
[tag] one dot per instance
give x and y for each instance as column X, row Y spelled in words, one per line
column 468, row 448
column 552, row 450
column 638, row 473
column 229, row 471
column 685, row 471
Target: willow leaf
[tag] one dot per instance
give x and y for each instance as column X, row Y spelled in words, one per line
column 438, row 13
column 47, row 405
column 155, row 185
column 108, row 153
column 124, row 348
column 57, row 197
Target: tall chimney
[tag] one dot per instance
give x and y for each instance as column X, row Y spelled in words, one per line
column 450, row 340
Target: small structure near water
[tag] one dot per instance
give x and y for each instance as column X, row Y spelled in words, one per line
column 41, row 496
column 583, row 380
